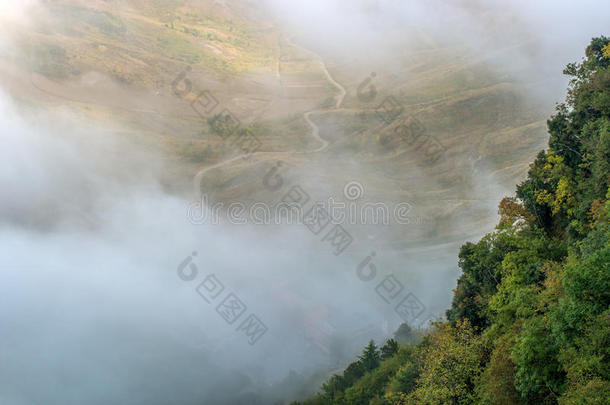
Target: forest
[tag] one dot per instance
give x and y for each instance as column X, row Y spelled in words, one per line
column 530, row 318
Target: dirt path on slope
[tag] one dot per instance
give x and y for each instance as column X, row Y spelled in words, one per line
column 315, row 130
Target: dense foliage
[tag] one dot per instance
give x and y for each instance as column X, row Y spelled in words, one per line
column 530, row 318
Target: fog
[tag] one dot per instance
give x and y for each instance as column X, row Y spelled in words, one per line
column 99, row 298
column 94, row 310
column 531, row 40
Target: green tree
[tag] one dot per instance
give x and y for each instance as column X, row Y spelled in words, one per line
column 370, row 357
column 389, row 349
column 406, row 335
column 452, row 364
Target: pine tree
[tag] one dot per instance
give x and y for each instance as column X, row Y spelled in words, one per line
column 389, row 349
column 370, row 356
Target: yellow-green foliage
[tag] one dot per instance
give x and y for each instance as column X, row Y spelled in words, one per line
column 530, row 318
column 452, row 364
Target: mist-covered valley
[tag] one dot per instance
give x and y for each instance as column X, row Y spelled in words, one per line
column 222, row 202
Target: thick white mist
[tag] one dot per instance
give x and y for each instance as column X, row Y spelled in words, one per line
column 93, row 310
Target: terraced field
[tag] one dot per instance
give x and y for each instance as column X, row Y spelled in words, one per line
column 137, row 66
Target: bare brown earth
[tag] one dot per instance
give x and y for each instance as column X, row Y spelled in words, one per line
column 114, row 62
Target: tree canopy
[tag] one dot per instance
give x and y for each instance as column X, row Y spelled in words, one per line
column 530, row 317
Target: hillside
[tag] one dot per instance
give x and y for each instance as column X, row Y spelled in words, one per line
column 122, row 63
column 529, row 321
column 126, row 117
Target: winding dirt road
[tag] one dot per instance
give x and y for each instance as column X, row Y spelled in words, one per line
column 315, row 130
